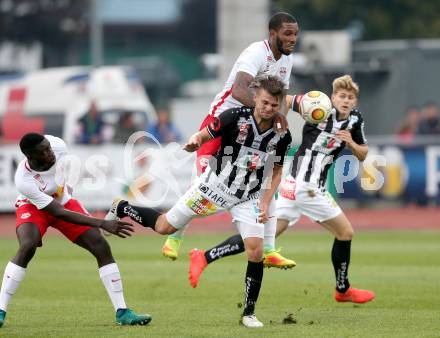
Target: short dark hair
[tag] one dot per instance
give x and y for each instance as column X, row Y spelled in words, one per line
column 279, row 18
column 272, row 84
column 29, row 141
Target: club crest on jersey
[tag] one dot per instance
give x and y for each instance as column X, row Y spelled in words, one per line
column 41, row 183
column 252, row 161
column 283, row 72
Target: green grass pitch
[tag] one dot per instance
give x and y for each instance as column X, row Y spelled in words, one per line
column 62, row 295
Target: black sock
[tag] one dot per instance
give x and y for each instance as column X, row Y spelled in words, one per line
column 144, row 216
column 232, row 246
column 254, row 277
column 341, row 260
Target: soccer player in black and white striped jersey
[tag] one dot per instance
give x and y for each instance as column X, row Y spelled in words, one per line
column 307, row 194
column 242, row 177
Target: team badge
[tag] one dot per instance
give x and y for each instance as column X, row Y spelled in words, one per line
column 283, row 71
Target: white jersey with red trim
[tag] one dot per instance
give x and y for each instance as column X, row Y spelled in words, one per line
column 256, row 60
column 41, row 187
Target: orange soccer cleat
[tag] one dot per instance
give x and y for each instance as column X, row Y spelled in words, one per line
column 197, row 263
column 354, row 295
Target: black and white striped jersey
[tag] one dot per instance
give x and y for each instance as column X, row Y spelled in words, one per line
column 247, row 155
column 320, row 147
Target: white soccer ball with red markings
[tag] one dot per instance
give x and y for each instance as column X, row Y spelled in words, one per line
column 315, row 107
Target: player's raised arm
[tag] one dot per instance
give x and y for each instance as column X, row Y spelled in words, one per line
column 287, row 104
column 242, row 90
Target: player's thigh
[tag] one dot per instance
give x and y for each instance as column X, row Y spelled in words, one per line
column 31, row 223
column 245, row 217
column 317, row 205
column 340, row 226
column 287, row 210
column 191, row 205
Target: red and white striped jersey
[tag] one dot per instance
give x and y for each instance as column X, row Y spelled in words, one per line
column 258, row 61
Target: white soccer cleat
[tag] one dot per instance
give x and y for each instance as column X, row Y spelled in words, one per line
column 251, row 321
column 112, row 213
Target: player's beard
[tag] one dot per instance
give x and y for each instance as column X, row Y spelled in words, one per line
column 279, row 45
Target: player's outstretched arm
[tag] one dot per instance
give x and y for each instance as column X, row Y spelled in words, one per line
column 116, row 227
column 196, row 140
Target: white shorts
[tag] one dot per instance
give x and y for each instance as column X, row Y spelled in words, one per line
column 318, row 204
column 204, row 199
column 245, row 216
column 285, row 205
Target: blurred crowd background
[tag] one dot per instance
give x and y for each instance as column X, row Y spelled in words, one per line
column 95, row 71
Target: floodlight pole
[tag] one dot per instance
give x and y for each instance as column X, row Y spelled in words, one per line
column 95, row 36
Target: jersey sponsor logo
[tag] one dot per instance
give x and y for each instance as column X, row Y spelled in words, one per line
column 243, row 130
column 201, row 205
column 25, row 215
column 213, row 195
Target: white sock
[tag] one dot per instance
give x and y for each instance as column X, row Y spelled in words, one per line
column 270, row 229
column 111, row 278
column 12, row 277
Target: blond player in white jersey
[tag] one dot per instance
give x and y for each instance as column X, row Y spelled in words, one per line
column 260, row 59
column 46, row 201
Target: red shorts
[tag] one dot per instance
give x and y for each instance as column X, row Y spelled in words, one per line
column 208, row 149
column 29, row 213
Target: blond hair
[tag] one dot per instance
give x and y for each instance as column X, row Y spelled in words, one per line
column 347, row 83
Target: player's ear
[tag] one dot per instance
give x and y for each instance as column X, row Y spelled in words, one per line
column 272, row 34
column 255, row 96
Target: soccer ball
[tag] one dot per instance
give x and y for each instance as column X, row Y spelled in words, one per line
column 315, row 107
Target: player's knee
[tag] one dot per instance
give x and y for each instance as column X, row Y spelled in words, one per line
column 255, row 254
column 345, row 234
column 101, row 245
column 29, row 246
column 163, row 227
